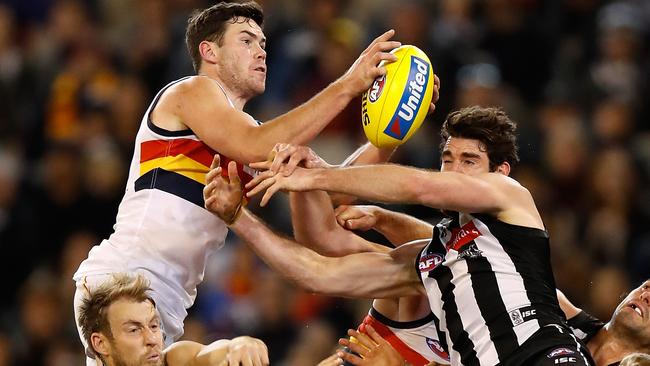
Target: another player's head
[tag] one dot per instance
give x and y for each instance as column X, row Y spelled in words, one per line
column 631, row 319
column 636, row 359
column 477, row 140
column 121, row 324
column 227, row 39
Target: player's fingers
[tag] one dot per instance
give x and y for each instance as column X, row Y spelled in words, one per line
column 349, row 357
column 432, row 107
column 246, row 359
column 362, row 338
column 210, row 201
column 436, row 81
column 384, row 47
column 216, row 160
column 268, row 194
column 295, row 159
column 259, row 178
column 265, row 353
column 382, row 38
column 215, row 172
column 376, row 337
column 359, row 348
column 261, row 165
column 383, row 56
column 233, row 174
column 262, row 185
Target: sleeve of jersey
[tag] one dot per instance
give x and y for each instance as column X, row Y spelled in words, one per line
column 585, row 326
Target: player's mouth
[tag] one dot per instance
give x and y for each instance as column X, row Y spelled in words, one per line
column 261, row 69
column 637, row 308
column 153, row 357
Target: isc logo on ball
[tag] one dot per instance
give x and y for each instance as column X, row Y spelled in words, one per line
column 411, row 100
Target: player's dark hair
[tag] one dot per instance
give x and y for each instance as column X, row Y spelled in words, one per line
column 210, row 24
column 491, row 126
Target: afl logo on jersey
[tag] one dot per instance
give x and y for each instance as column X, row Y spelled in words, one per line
column 429, row 262
column 437, row 348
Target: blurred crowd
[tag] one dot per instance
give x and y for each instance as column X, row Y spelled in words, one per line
column 77, row 75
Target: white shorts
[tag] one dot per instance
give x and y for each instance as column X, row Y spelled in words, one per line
column 172, row 328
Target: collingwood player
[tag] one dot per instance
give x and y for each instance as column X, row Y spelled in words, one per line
column 486, row 271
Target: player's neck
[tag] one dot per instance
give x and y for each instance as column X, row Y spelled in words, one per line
column 606, row 348
column 237, row 101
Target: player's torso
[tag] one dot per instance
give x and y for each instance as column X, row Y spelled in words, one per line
column 162, row 226
column 491, row 285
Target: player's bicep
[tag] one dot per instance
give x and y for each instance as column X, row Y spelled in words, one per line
column 203, row 107
column 463, row 193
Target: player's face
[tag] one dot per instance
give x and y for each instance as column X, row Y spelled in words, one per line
column 466, row 156
column 633, row 313
column 242, row 58
column 137, row 337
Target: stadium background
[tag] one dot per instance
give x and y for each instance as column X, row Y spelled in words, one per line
column 76, row 76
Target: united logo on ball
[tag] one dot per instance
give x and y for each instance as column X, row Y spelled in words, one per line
column 396, row 104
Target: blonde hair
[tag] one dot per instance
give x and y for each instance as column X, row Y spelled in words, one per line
column 93, row 315
column 636, row 359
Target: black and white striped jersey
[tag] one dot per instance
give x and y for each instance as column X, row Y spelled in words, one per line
column 491, row 285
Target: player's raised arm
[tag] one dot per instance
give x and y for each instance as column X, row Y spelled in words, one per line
column 200, row 103
column 388, row 274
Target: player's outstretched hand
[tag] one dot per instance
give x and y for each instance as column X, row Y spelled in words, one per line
column 299, row 181
column 285, row 158
column 223, row 196
column 356, row 217
column 247, row 351
column 366, row 68
column 371, row 348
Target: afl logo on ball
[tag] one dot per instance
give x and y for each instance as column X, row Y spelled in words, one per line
column 376, row 88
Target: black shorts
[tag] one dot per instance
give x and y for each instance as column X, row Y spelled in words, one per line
column 551, row 346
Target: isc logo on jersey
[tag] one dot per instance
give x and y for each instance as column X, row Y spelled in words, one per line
column 396, row 104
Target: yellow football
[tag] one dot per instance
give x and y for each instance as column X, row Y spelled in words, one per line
column 396, row 103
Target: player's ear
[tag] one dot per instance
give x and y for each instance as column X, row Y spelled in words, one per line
column 208, row 51
column 504, row 168
column 100, row 345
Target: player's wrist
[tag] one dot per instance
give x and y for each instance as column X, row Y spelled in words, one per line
column 235, row 215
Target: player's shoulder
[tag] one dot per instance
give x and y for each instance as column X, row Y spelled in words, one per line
column 197, row 87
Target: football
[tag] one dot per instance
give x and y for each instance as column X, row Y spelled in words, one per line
column 394, row 107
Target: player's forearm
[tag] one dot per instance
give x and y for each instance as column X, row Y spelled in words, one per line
column 400, row 228
column 366, row 154
column 312, row 217
column 379, row 183
column 300, row 125
column 297, row 263
column 213, row 354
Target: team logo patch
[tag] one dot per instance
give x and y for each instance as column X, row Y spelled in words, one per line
column 562, row 351
column 521, row 315
column 470, row 251
column 463, row 235
column 429, row 262
column 437, row 348
column 376, row 88
column 411, row 101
